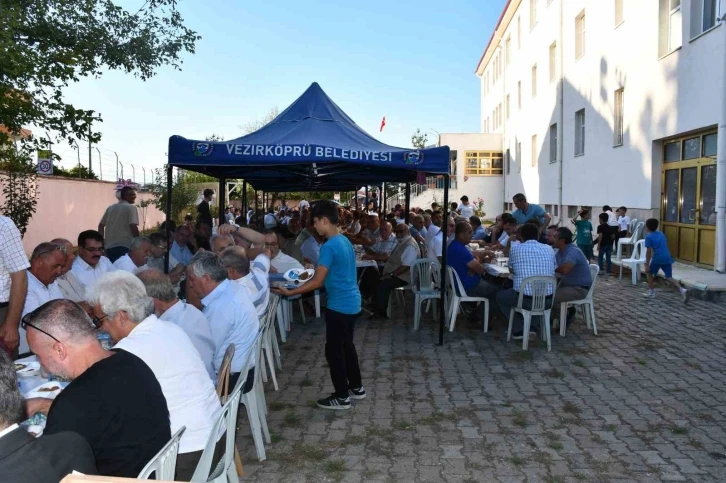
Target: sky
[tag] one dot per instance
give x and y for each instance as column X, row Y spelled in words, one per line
column 411, row 61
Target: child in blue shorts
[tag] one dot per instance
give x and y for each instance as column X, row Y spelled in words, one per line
column 657, row 258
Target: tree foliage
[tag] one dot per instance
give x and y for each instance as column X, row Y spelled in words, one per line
column 49, row 44
column 80, row 172
column 419, row 139
column 20, row 187
column 253, row 126
column 183, row 194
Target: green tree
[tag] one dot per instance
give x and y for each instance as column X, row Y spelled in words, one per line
column 255, row 125
column 19, row 183
column 74, row 172
column 419, row 139
column 183, row 194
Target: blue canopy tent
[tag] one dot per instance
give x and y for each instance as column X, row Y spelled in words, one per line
column 311, row 146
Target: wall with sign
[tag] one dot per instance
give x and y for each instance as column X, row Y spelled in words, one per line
column 67, row 206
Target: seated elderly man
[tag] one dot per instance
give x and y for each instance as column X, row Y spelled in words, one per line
column 46, row 264
column 526, row 259
column 179, row 248
column 418, row 230
column 155, row 260
column 231, row 314
column 435, row 244
column 470, row 268
column 114, row 400
column 382, row 247
column 254, row 277
column 90, row 264
column 371, row 233
column 169, row 308
column 396, row 271
column 135, row 259
column 68, row 283
column 573, row 270
column 25, row 458
column 271, row 240
column 220, row 242
column 480, row 233
column 311, row 248
column 120, row 301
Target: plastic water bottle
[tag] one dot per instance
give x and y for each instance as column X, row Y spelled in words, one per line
column 105, row 339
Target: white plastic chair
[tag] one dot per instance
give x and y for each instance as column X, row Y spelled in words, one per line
column 539, row 287
column 269, row 340
column 254, row 401
column 163, row 465
column 634, row 237
column 632, row 225
column 635, row 261
column 587, row 304
column 457, row 294
column 225, row 471
column 424, row 282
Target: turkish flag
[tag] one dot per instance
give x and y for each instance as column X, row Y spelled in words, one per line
column 383, row 123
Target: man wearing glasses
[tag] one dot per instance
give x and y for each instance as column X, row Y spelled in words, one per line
column 90, row 263
column 46, row 265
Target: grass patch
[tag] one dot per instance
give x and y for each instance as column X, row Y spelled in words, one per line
column 556, row 445
column 437, row 417
column 649, row 345
column 314, row 333
column 306, row 382
column 580, row 476
column 611, row 427
column 383, row 433
column 516, row 460
column 275, row 438
column 291, row 420
column 571, row 408
column 693, row 365
column 312, row 403
column 706, row 417
column 579, row 363
column 519, row 419
column 334, row 468
column 554, row 374
column 506, row 404
column 642, row 362
column 309, row 452
column 679, row 430
column 280, row 406
column 400, row 425
column 542, row 457
column 520, row 356
column 354, row 440
column 695, row 443
column 553, row 479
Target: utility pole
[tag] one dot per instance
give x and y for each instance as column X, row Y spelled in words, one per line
column 100, row 165
column 90, row 145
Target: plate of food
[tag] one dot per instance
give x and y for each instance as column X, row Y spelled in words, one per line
column 27, row 369
column 47, row 390
column 299, row 275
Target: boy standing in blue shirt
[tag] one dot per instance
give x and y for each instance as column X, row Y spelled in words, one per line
column 336, row 270
column 583, row 228
column 657, row 258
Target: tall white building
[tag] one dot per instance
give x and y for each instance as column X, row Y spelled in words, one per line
column 613, row 102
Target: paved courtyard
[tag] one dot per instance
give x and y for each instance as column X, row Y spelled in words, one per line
column 644, row 400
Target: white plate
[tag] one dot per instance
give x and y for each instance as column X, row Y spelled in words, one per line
column 293, row 275
column 39, row 392
column 27, row 369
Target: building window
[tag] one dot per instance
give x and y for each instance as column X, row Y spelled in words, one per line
column 618, row 124
column 556, row 211
column 670, row 26
column 571, row 212
column 507, row 106
column 508, row 160
column 535, row 150
column 519, row 95
column 508, row 50
column 532, row 13
column 483, row 163
column 704, row 16
column 709, row 145
column 580, row 35
column 580, row 132
column 534, row 81
column 518, row 155
column 553, row 61
column 553, row 143
column 519, row 33
column 618, row 12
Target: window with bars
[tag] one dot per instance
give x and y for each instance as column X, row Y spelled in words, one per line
column 534, row 81
column 508, row 50
column 535, row 151
column 553, row 61
column 618, row 124
column 705, row 15
column 532, row 13
column 670, row 25
column 483, row 163
column 580, row 132
column 553, row 143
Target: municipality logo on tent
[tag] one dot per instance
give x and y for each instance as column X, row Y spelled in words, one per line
column 413, row 158
column 202, row 149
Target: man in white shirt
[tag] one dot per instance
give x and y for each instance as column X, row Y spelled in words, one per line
column 120, row 302
column 303, row 204
column 280, row 261
column 433, row 249
column 13, row 282
column 465, row 209
column 232, row 317
column 90, row 264
column 135, row 259
column 168, row 307
column 156, row 259
column 612, row 218
column 383, row 246
column 46, row 264
column 255, row 276
column 432, row 231
column 68, row 284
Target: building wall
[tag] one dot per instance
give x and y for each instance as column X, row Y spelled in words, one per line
column 664, row 97
column 68, row 206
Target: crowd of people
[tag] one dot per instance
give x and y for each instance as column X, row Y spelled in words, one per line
column 170, row 327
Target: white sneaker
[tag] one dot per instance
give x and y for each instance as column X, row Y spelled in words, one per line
column 649, row 295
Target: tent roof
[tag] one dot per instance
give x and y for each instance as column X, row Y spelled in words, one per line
column 312, row 144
